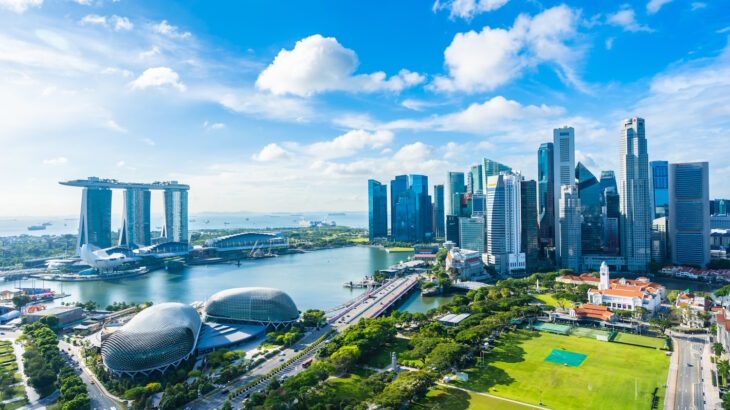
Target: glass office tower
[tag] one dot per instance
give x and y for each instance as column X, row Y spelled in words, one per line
column 377, row 210
column 397, row 186
column 477, row 184
column 689, row 213
column 135, row 230
column 176, row 215
column 591, row 201
column 659, row 180
column 545, row 192
column 439, row 217
column 530, row 232
column 95, row 222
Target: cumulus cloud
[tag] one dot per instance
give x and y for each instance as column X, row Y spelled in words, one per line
column 318, row 64
column 121, row 23
column 19, row 6
column 93, row 19
column 654, row 6
column 168, row 30
column 698, row 5
column 350, row 143
column 55, row 161
column 467, row 9
column 626, row 19
column 117, row 23
column 158, row 77
column 208, row 126
column 112, row 125
column 485, row 60
column 271, row 152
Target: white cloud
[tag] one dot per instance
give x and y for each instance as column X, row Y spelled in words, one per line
column 149, row 53
column 83, row 2
column 147, row 141
column 121, row 23
column 115, row 22
column 93, row 19
column 55, row 161
column 318, row 64
column 271, row 152
column 121, row 164
column 208, row 126
column 653, row 6
column 166, row 29
column 19, row 6
column 626, row 19
column 158, row 77
column 467, row 9
column 350, row 143
column 485, row 60
column 609, row 43
column 112, row 125
column 698, row 5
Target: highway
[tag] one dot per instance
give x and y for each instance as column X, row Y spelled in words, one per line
column 100, row 400
column 689, row 394
column 378, row 302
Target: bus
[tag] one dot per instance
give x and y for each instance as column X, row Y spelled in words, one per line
column 307, row 362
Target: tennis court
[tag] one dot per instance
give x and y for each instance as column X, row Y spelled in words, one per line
column 591, row 333
column 565, row 357
column 551, row 327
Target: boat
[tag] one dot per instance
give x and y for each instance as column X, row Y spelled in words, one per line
column 37, row 228
column 46, row 224
column 174, row 265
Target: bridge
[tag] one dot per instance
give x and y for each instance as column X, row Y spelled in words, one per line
column 374, row 302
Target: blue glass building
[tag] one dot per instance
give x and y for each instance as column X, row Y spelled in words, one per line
column 545, row 195
column 438, row 211
column 689, row 213
column 398, row 186
column 377, row 209
column 659, row 180
column 95, row 224
column 411, row 209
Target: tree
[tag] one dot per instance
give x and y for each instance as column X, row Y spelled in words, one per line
column 445, row 356
column 718, row 349
column 672, row 296
column 80, row 402
column 313, row 318
column 344, row 358
column 226, row 405
column 20, row 301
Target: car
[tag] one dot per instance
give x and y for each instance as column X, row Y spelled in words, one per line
column 281, row 359
column 92, row 381
column 224, row 391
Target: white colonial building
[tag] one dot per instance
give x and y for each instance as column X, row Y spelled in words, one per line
column 626, row 294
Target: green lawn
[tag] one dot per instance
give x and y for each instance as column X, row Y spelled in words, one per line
column 399, row 249
column 348, row 388
column 360, row 239
column 381, row 359
column 550, row 300
column 646, row 341
column 609, row 378
column 443, row 398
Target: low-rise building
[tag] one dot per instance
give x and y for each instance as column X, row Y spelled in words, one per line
column 723, row 327
column 589, row 311
column 626, row 294
column 65, row 314
column 693, row 308
column 467, row 263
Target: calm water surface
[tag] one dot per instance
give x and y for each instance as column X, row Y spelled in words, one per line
column 415, row 303
column 313, row 280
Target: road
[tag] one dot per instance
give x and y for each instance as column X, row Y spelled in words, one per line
column 689, row 394
column 99, row 399
column 377, row 302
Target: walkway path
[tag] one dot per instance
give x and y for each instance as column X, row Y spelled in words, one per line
column 491, row 396
column 29, row 391
column 672, row 378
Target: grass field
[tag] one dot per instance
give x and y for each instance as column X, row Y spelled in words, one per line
column 609, row 378
column 443, row 398
column 638, row 340
column 348, row 388
column 399, row 249
column 550, row 300
column 359, row 239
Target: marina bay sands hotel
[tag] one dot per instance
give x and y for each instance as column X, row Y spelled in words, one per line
column 95, row 222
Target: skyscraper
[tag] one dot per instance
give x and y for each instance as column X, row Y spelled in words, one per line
column 492, row 168
column 377, row 210
column 95, row 222
column 477, row 184
column 659, row 180
column 419, row 185
column 546, row 195
column 633, row 185
column 689, row 213
column 454, row 186
column 438, row 211
column 591, row 200
column 176, row 215
column 478, row 205
column 570, row 229
column 452, row 229
column 529, row 235
column 611, row 214
column 564, row 173
column 504, row 227
column 719, row 206
column 398, row 185
column 471, row 233
column 135, row 230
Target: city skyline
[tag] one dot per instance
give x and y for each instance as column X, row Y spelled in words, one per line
column 207, row 95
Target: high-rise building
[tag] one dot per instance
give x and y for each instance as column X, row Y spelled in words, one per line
column 454, row 186
column 633, row 185
column 564, row 172
column 452, row 229
column 689, row 213
column 477, row 184
column 377, row 209
column 439, row 217
column 471, row 234
column 404, row 229
column 591, row 201
column 719, row 206
column 419, row 185
column 135, row 230
column 492, row 168
column 412, row 209
column 659, row 189
column 570, row 229
column 529, row 236
column 504, row 228
column 95, row 222
column 546, row 195
column 398, row 185
column 611, row 217
column 175, row 228
column 478, row 205
column 659, row 240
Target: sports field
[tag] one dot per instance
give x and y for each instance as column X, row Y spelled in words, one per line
column 612, row 376
column 638, row 340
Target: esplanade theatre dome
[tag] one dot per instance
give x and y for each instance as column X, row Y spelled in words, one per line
column 251, row 305
column 155, row 339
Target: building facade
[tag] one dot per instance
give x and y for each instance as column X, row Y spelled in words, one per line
column 452, row 229
column 530, row 233
column 454, row 187
column 175, row 228
column 95, row 222
column 689, row 213
column 471, row 234
column 439, row 217
column 633, row 184
column 564, row 173
column 570, row 251
column 591, row 201
column 545, row 195
column 135, row 230
column 377, row 210
column 659, row 190
column 504, row 228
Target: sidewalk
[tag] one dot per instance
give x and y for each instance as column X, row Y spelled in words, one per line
column 712, row 393
column 29, row 391
column 672, row 378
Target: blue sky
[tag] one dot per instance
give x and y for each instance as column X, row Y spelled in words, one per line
column 291, row 106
